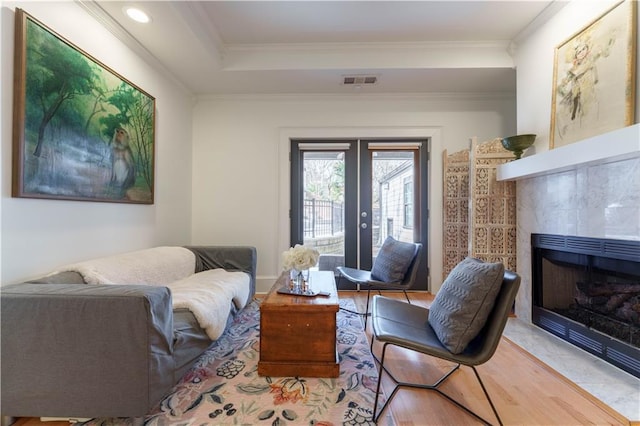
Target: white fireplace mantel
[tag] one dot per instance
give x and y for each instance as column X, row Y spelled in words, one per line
column 617, row 145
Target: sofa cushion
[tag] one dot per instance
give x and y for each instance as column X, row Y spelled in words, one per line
column 393, row 260
column 66, row 277
column 463, row 303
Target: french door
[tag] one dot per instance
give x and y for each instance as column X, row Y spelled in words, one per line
column 348, row 195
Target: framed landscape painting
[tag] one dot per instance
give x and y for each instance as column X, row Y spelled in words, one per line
column 594, row 78
column 80, row 131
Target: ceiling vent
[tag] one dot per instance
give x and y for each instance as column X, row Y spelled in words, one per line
column 359, row 80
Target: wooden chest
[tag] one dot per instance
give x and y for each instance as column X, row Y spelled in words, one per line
column 298, row 333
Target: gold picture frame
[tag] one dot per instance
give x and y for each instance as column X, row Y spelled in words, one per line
column 594, row 76
column 81, row 131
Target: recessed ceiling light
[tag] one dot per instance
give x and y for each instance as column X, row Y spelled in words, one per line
column 137, row 15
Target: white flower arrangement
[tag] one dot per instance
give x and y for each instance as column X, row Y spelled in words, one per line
column 299, row 258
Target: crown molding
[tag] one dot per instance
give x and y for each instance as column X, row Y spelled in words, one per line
column 420, row 96
column 104, row 19
column 368, row 56
column 543, row 17
column 194, row 14
column 425, row 45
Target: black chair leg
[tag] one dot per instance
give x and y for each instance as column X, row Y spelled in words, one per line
column 366, row 312
column 376, row 415
column 487, row 395
column 433, row 387
column 406, row 295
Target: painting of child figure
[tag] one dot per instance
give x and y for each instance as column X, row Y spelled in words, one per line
column 594, row 74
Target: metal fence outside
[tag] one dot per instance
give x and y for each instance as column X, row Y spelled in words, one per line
column 322, row 217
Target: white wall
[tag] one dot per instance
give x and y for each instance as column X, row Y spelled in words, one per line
column 240, row 157
column 39, row 235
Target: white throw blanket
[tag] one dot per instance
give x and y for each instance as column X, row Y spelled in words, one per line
column 209, row 294
column 154, row 266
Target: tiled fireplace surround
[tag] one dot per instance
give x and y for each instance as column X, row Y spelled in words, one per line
column 597, row 199
column 601, row 201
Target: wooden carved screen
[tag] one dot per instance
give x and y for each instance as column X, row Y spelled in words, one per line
column 479, row 212
column 456, row 209
column 493, row 206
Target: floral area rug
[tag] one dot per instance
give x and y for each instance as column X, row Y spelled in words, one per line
column 224, row 388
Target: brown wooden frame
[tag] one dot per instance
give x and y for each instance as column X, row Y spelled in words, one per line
column 80, row 131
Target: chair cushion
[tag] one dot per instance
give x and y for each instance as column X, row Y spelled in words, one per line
column 393, row 260
column 464, row 302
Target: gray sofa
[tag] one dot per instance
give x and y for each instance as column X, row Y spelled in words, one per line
column 71, row 349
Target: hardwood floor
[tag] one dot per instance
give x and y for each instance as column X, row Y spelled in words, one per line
column 524, row 390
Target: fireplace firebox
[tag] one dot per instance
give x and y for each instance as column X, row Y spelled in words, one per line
column 587, row 292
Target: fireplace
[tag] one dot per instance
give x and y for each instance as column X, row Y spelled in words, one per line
column 587, row 292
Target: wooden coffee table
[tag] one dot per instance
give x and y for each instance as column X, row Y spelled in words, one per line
column 298, row 333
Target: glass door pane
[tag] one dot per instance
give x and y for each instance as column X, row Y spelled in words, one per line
column 323, row 199
column 392, row 195
column 324, row 205
column 393, row 185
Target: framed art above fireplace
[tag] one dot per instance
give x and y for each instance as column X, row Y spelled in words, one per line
column 594, row 78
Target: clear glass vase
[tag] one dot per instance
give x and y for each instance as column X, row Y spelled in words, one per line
column 299, row 280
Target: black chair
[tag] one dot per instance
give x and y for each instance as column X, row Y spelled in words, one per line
column 397, row 323
column 393, row 256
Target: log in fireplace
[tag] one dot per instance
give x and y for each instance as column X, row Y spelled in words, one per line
column 587, row 292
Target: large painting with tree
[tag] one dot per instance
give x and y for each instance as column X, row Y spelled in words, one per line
column 81, row 131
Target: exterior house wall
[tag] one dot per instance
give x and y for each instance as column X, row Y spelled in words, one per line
column 394, row 202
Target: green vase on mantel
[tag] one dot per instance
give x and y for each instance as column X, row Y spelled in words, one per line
column 518, row 144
